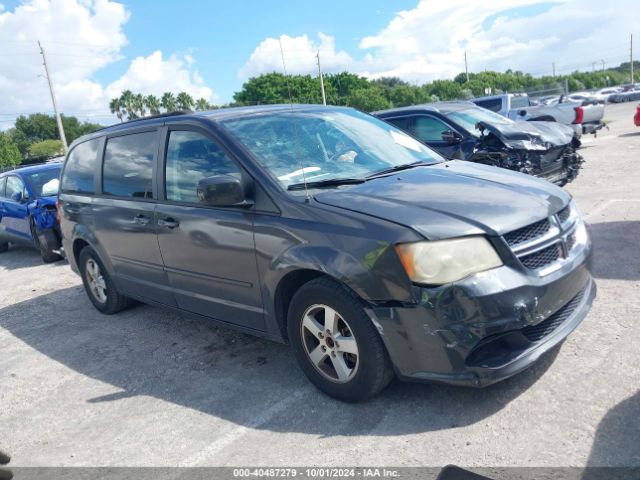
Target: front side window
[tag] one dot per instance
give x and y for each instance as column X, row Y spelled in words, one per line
column 3, row 182
column 191, row 156
column 429, row 129
column 15, row 185
column 80, row 168
column 318, row 145
column 128, row 165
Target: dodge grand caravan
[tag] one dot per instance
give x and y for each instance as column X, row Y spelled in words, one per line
column 335, row 232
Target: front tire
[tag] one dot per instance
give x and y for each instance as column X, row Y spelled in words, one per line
column 43, row 243
column 335, row 343
column 98, row 284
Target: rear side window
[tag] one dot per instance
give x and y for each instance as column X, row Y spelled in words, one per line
column 128, row 165
column 493, row 104
column 80, row 168
column 191, row 157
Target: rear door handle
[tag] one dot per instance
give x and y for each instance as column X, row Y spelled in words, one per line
column 141, row 219
column 168, row 222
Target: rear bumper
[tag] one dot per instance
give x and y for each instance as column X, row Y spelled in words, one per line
column 488, row 327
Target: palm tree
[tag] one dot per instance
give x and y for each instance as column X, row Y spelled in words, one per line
column 202, row 104
column 127, row 102
column 153, row 104
column 114, row 106
column 138, row 102
column 168, row 102
column 184, row 101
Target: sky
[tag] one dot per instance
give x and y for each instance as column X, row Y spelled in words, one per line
column 97, row 48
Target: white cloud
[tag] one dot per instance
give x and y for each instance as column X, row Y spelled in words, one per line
column 80, row 38
column 299, row 55
column 429, row 41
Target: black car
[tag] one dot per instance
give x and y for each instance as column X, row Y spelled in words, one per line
column 334, row 231
column 464, row 131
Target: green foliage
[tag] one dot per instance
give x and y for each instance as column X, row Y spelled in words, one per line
column 46, row 149
column 9, row 153
column 39, row 127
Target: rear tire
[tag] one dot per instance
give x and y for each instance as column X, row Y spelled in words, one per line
column 98, row 284
column 344, row 357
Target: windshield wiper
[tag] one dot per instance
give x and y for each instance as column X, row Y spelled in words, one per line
column 331, row 182
column 397, row 168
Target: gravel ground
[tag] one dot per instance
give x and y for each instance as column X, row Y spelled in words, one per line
column 151, row 388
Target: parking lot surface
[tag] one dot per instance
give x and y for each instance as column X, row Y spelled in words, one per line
column 151, row 388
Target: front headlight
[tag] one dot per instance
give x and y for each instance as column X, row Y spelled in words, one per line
column 445, row 261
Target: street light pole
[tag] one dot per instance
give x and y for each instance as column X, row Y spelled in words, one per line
column 53, row 100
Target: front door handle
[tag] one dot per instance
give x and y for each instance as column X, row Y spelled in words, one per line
column 168, row 222
column 141, row 219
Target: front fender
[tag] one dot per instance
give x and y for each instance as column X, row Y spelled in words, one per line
column 43, row 217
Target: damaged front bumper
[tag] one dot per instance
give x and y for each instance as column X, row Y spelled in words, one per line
column 487, row 327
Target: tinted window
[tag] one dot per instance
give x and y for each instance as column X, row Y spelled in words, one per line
column 80, row 167
column 3, row 182
column 128, row 165
column 493, row 104
column 14, row 185
column 429, row 129
column 403, row 123
column 191, row 157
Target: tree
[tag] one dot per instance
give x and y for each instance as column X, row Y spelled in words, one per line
column 9, row 153
column 139, row 105
column 116, row 107
column 46, row 149
column 368, row 100
column 202, row 104
column 168, row 102
column 128, row 101
column 153, row 104
column 184, row 101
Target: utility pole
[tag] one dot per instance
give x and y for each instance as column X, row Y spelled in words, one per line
column 466, row 68
column 53, row 100
column 631, row 57
column 553, row 66
column 324, row 97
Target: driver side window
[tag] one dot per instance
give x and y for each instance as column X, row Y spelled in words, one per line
column 15, row 185
column 429, row 129
column 192, row 156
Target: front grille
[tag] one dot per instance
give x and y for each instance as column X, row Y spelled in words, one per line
column 563, row 215
column 541, row 258
column 571, row 241
column 527, row 233
column 537, row 332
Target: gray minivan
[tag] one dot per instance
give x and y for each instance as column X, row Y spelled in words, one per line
column 331, row 230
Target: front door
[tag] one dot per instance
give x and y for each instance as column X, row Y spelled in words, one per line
column 124, row 216
column 15, row 217
column 208, row 252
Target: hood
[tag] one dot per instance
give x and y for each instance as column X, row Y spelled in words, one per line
column 531, row 135
column 452, row 199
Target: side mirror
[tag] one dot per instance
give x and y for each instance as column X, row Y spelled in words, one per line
column 222, row 191
column 450, row 136
column 16, row 197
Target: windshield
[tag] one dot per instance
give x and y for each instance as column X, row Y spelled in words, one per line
column 45, row 183
column 469, row 118
column 322, row 145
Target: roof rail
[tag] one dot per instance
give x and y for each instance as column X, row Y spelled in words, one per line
column 150, row 117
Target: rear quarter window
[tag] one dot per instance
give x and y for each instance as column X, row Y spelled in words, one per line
column 79, row 171
column 493, row 104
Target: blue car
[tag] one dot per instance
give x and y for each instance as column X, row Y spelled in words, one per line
column 28, row 212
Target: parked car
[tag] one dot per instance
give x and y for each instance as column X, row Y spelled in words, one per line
column 28, row 209
column 334, row 231
column 464, row 131
column 626, row 96
column 582, row 118
column 636, row 117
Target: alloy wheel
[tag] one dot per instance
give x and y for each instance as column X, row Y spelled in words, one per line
column 95, row 280
column 330, row 344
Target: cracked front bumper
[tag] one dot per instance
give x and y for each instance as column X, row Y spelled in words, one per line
column 487, row 327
